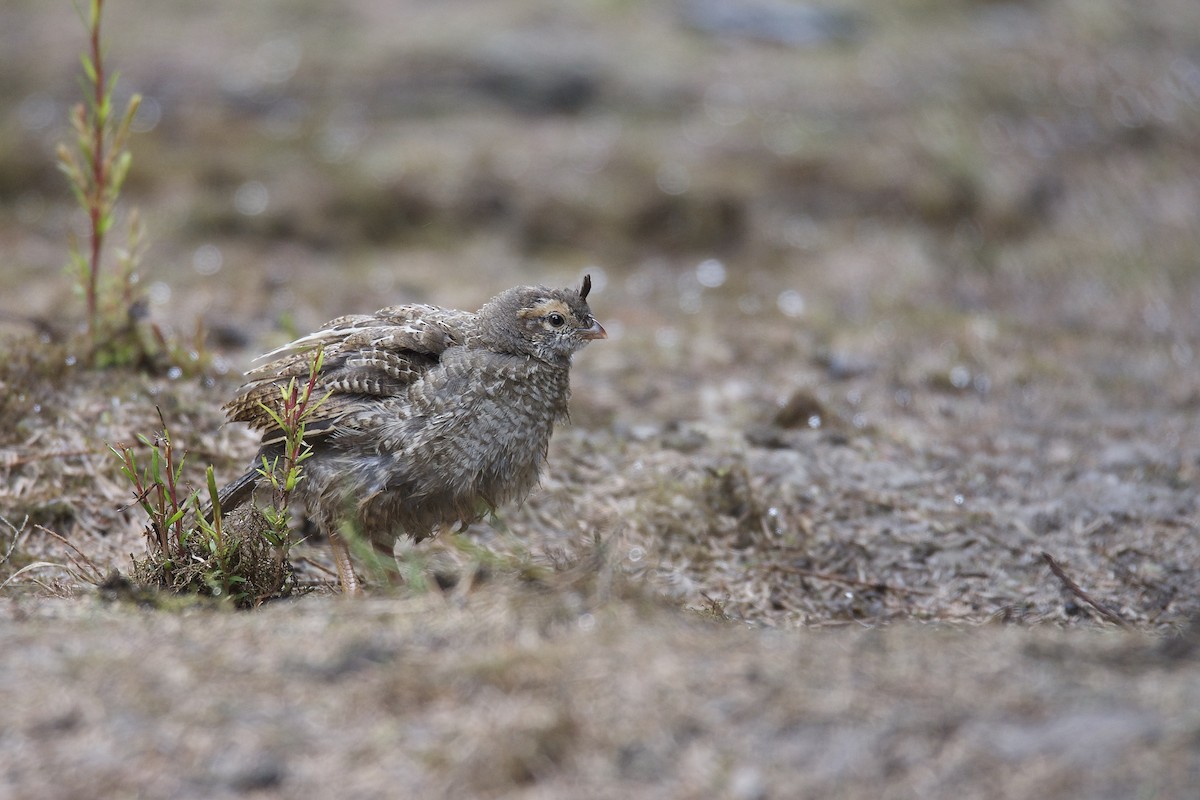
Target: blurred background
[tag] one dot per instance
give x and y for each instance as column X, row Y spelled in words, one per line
column 762, row 162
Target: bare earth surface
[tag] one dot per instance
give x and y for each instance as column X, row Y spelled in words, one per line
column 904, row 305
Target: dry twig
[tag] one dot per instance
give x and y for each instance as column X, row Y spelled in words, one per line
column 1074, row 589
column 85, row 567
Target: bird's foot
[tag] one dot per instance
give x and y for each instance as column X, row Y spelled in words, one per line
column 341, row 557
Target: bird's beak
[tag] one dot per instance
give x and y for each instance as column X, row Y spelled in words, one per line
column 596, row 331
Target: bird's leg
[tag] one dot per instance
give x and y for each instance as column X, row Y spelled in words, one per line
column 345, row 569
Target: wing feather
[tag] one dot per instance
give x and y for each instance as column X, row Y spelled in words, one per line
column 373, row 355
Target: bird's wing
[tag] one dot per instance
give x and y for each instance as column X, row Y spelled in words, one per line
column 364, row 355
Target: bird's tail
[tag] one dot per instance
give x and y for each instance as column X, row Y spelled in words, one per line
column 236, row 493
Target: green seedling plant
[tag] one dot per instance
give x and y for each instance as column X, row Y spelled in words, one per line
column 222, row 576
column 157, row 489
column 191, row 548
column 188, row 552
column 96, row 169
column 284, row 472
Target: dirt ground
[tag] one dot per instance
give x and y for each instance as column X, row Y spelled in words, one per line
column 904, row 309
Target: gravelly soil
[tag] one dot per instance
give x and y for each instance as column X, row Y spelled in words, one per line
column 511, row 696
column 894, row 316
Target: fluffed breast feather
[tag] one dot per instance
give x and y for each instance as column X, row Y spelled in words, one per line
column 378, row 355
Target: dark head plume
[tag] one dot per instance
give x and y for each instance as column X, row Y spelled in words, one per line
column 587, row 287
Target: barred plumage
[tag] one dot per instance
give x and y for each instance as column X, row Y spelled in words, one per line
column 433, row 415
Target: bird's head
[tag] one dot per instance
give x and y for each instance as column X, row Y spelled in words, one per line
column 548, row 324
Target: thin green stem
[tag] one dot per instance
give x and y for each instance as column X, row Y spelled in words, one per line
column 96, row 210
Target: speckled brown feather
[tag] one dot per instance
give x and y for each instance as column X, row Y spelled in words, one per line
column 365, row 355
column 433, row 415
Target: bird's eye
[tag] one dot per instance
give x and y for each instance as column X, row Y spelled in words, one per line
column 556, row 320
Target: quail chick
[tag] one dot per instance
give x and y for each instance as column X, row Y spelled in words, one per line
column 433, row 416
